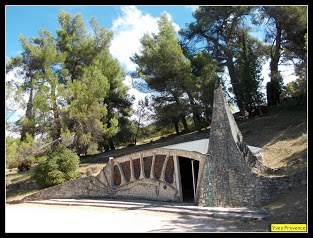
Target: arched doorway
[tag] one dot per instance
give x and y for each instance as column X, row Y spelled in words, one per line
column 189, row 169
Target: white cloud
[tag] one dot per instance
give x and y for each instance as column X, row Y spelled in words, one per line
column 133, row 91
column 12, row 134
column 128, row 29
column 138, row 96
column 287, row 72
column 266, row 75
column 13, row 76
column 193, row 8
column 15, row 106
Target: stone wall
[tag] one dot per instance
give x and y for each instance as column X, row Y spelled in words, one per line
column 87, row 187
column 270, row 188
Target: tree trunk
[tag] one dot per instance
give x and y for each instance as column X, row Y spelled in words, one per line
column 111, row 144
column 273, row 90
column 208, row 114
column 135, row 141
column 57, row 122
column 182, row 115
column 106, row 147
column 195, row 114
column 28, row 128
column 233, row 78
column 269, row 93
column 176, row 127
column 273, row 98
column 109, row 116
column 183, row 120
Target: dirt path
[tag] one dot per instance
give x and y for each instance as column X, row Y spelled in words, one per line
column 35, row 218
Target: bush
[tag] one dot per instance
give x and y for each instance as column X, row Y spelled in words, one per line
column 20, row 153
column 59, row 166
column 11, row 155
column 24, row 165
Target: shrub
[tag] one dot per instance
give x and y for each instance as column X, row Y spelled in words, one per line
column 59, row 166
column 21, row 154
column 24, row 165
column 11, row 155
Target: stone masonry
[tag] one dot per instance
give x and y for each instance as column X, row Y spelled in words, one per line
column 150, row 174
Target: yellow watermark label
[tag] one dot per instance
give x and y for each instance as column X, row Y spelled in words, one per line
column 288, row 227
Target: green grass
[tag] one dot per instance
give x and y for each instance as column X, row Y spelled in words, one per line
column 20, row 177
column 20, row 193
column 21, row 184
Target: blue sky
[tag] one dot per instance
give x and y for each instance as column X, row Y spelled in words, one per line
column 27, row 20
column 128, row 23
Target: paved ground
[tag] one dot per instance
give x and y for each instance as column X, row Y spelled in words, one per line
column 98, row 216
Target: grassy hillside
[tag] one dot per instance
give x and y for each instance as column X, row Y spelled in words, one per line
column 282, row 133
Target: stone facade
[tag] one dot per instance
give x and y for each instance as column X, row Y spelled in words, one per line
column 152, row 174
column 226, row 175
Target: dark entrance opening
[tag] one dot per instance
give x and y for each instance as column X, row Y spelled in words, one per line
column 188, row 178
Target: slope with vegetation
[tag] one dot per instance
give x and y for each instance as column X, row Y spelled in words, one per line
column 281, row 132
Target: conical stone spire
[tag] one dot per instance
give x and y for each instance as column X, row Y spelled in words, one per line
column 224, row 157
